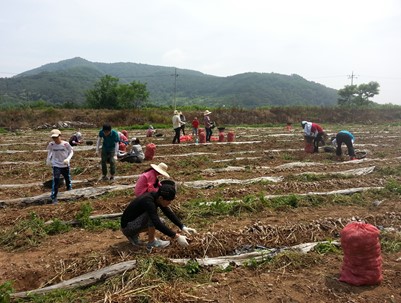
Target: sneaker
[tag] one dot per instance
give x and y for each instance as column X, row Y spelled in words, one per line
column 111, row 178
column 135, row 240
column 353, row 158
column 104, row 178
column 54, row 201
column 157, row 243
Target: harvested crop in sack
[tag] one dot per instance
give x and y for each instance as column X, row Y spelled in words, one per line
column 362, row 263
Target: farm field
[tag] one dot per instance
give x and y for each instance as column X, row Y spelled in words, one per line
column 260, row 192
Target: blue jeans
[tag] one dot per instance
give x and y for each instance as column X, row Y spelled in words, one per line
column 208, row 134
column 57, row 171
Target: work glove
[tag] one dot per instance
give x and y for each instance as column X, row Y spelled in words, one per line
column 182, row 240
column 48, row 162
column 189, row 230
column 115, row 158
column 66, row 162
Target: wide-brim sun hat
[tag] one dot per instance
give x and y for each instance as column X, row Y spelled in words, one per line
column 206, row 113
column 55, row 133
column 161, row 168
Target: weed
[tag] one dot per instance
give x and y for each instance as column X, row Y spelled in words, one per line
column 393, row 186
column 57, row 227
column 390, row 242
column 5, row 290
column 77, row 170
column 326, row 247
column 286, row 201
column 192, row 267
column 26, row 233
column 84, row 221
column 59, row 296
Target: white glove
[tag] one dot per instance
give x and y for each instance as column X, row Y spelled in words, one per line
column 48, row 161
column 182, row 240
column 115, row 157
column 66, row 162
column 189, row 230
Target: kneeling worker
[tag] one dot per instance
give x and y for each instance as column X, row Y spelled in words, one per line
column 141, row 216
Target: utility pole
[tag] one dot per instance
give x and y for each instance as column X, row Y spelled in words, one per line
column 175, row 87
column 352, row 78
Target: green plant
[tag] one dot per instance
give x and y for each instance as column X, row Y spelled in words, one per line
column 192, row 267
column 393, row 186
column 326, row 247
column 25, row 233
column 5, row 290
column 57, row 227
column 390, row 242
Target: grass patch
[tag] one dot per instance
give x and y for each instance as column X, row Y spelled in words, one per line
column 84, row 221
column 5, row 290
column 327, row 248
column 390, row 242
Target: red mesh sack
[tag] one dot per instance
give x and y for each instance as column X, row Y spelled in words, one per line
column 230, row 137
column 202, row 137
column 362, row 262
column 221, row 137
column 122, row 147
column 150, row 151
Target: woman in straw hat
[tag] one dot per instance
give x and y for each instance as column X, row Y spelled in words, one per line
column 148, row 181
column 177, row 124
column 208, row 125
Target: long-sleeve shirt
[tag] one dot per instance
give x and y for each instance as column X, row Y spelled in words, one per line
column 207, row 122
column 177, row 121
column 57, row 153
column 110, row 143
column 146, row 182
column 312, row 129
column 137, row 151
column 148, row 203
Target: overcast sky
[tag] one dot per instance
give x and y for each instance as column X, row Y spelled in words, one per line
column 323, row 41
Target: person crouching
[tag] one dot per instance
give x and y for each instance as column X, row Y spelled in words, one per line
column 141, row 216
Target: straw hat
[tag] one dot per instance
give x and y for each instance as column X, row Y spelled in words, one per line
column 206, row 113
column 161, row 168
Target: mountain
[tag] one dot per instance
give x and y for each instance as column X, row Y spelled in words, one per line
column 67, row 81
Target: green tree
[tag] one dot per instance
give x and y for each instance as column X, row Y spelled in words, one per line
column 358, row 95
column 132, row 95
column 104, row 95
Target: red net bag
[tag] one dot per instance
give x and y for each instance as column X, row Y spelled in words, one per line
column 202, row 137
column 221, row 137
column 362, row 263
column 150, row 151
column 230, row 136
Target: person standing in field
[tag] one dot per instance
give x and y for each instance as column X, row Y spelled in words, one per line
column 109, row 150
column 182, row 118
column 208, row 125
column 195, row 126
column 59, row 154
column 177, row 123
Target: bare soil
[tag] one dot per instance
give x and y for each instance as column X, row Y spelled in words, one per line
column 63, row 256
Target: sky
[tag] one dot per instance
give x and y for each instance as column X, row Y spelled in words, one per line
column 334, row 43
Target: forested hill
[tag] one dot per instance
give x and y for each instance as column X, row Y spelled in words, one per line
column 67, row 81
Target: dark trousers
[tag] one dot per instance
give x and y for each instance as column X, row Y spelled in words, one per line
column 176, row 138
column 108, row 157
column 344, row 138
column 65, row 172
column 183, row 129
column 209, row 133
column 318, row 138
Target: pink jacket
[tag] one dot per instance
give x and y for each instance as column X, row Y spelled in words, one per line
column 146, row 182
